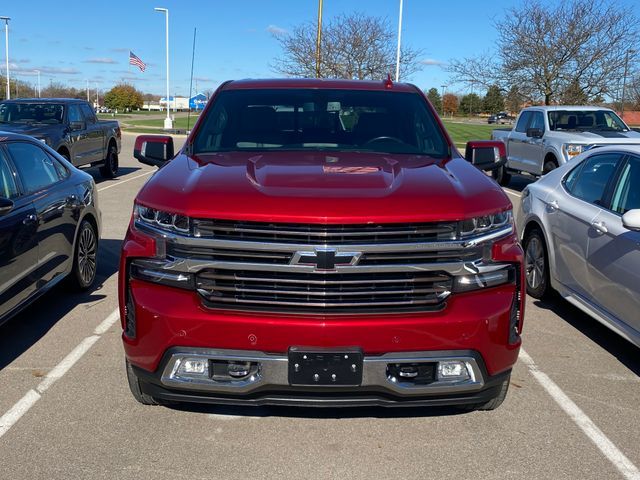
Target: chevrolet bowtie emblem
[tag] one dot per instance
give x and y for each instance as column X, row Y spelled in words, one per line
column 325, row 259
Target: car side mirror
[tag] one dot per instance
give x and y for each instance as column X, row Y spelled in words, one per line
column 76, row 126
column 6, row 206
column 485, row 154
column 154, row 150
column 631, row 220
column 535, row 132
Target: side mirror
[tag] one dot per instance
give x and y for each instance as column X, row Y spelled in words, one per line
column 154, row 150
column 631, row 220
column 6, row 206
column 76, row 126
column 535, row 132
column 486, row 154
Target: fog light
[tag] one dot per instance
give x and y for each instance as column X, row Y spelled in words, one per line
column 452, row 370
column 194, row 366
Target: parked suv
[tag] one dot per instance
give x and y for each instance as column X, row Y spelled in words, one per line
column 320, row 242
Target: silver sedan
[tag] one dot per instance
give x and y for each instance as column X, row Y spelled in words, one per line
column 580, row 230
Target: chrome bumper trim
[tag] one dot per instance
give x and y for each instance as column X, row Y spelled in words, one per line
column 273, row 371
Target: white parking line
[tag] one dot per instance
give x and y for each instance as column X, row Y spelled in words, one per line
column 23, row 405
column 606, row 446
column 125, row 181
column 512, row 192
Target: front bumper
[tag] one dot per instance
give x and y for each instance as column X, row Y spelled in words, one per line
column 270, row 386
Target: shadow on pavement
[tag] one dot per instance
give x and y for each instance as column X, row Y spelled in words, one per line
column 31, row 324
column 327, row 413
column 518, row 182
column 98, row 178
column 624, row 351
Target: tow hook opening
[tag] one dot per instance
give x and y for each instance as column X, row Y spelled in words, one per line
column 229, row 370
column 415, row 373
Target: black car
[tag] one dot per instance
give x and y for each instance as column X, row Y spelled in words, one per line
column 49, row 223
column 501, row 117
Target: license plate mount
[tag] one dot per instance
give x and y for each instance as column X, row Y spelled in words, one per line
column 325, row 367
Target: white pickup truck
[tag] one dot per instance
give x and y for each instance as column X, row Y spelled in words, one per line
column 544, row 138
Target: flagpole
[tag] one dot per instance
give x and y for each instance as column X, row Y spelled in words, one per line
column 193, row 56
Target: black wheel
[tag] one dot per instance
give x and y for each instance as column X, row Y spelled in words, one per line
column 110, row 167
column 548, row 166
column 66, row 156
column 536, row 264
column 501, row 176
column 85, row 257
column 136, row 391
column 492, row 404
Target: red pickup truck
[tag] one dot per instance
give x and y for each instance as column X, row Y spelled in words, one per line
column 320, row 242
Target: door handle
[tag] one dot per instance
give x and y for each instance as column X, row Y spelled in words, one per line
column 599, row 227
column 552, row 206
column 29, row 219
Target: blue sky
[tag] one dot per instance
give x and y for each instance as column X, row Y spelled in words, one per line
column 76, row 41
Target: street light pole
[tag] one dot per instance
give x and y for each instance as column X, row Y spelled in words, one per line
column 6, row 54
column 38, row 72
column 168, row 123
column 399, row 40
column 624, row 81
column 443, row 87
column 319, row 39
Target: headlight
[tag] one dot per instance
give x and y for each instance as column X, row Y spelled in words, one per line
column 489, row 223
column 466, row 283
column 573, row 149
column 171, row 222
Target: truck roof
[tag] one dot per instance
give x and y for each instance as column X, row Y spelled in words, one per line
column 320, row 83
column 552, row 108
column 45, row 100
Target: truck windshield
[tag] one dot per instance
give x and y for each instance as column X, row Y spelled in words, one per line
column 28, row 113
column 592, row 120
column 314, row 119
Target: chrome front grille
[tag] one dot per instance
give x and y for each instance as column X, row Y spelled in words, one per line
column 318, row 234
column 326, row 293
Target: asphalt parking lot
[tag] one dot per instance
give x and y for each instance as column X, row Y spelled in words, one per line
column 66, row 412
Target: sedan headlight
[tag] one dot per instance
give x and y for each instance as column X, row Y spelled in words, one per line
column 171, row 222
column 487, row 224
column 573, row 149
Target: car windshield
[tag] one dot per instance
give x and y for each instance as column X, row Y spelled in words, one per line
column 592, row 120
column 29, row 113
column 315, row 119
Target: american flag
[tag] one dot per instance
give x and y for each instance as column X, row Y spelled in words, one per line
column 134, row 60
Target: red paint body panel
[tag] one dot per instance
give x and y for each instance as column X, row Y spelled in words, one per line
column 168, row 317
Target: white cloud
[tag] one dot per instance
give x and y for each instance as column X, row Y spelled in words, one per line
column 100, row 60
column 276, row 30
column 431, row 61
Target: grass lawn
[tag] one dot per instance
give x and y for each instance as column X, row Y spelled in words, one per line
column 461, row 133
column 180, row 122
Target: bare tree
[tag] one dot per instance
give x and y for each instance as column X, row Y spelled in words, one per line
column 354, row 46
column 551, row 52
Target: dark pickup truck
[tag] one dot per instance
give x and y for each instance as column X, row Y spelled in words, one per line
column 67, row 125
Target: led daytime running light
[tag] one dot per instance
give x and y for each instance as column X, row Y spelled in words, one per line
column 164, row 220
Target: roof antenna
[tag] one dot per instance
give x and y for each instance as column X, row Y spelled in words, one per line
column 388, row 83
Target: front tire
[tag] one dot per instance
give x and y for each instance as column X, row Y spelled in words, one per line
column 548, row 166
column 536, row 264
column 136, row 390
column 110, row 167
column 501, row 176
column 85, row 257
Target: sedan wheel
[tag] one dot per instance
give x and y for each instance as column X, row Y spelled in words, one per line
column 85, row 259
column 536, row 265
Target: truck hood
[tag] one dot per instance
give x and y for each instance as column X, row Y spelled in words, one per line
column 26, row 129
column 598, row 137
column 322, row 187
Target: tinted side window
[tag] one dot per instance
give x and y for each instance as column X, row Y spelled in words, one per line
column 89, row 116
column 626, row 195
column 8, row 187
column 593, row 177
column 537, row 121
column 75, row 115
column 523, row 121
column 35, row 167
